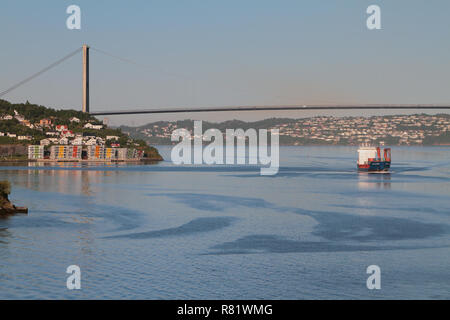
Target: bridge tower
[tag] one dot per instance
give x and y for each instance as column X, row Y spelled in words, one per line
column 85, row 78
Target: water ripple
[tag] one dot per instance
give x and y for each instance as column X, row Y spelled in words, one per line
column 198, row 225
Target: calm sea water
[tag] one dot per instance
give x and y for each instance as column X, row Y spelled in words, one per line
column 169, row 232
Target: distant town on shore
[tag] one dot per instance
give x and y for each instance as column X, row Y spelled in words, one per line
column 416, row 129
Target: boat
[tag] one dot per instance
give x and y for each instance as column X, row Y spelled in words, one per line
column 370, row 159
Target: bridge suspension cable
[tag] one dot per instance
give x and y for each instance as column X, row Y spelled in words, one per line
column 138, row 64
column 37, row 74
column 189, row 82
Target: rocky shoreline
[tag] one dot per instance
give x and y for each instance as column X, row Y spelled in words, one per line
column 6, row 207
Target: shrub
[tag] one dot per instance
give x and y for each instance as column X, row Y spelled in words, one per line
column 5, row 187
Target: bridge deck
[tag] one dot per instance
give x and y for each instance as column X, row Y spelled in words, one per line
column 271, row 108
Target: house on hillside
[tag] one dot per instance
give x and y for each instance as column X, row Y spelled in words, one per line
column 67, row 134
column 45, row 122
column 61, row 127
column 91, row 142
column 74, row 119
column 78, row 141
column 93, row 126
column 19, row 118
column 28, row 124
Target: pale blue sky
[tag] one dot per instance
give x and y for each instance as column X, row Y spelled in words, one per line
column 219, row 53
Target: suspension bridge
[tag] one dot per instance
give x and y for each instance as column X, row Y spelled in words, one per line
column 127, row 110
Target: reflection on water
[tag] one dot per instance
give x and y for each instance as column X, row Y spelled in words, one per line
column 64, row 177
column 374, row 180
column 222, row 232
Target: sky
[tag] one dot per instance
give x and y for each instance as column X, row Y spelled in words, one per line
column 222, row 53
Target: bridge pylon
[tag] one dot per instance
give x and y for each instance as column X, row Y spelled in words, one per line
column 85, row 78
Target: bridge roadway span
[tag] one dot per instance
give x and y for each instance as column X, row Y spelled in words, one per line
column 273, row 108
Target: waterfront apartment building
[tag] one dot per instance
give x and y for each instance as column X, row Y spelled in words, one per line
column 95, row 152
column 65, row 152
column 102, row 153
column 35, row 152
column 121, row 153
column 132, row 154
column 75, row 153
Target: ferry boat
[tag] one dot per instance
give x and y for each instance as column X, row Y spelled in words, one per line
column 370, row 160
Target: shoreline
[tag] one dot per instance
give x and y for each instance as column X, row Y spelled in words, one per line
column 329, row 145
column 81, row 160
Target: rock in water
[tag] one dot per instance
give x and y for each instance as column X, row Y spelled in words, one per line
column 6, row 207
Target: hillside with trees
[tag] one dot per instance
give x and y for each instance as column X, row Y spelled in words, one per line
column 27, row 124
